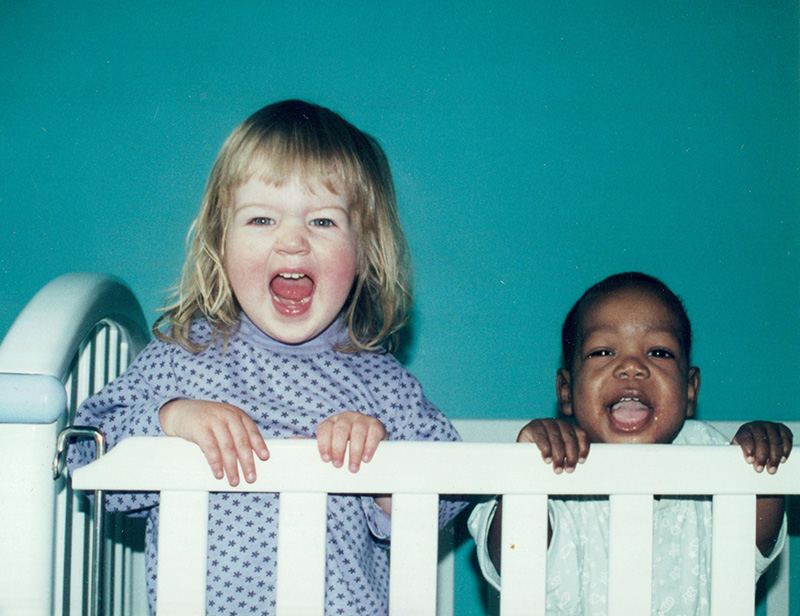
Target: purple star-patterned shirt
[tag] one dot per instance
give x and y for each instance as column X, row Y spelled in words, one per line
column 288, row 390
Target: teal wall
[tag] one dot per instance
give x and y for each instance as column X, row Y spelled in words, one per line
column 537, row 147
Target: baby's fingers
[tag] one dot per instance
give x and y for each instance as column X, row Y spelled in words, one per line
column 237, row 440
column 361, row 433
column 557, row 441
column 235, row 449
column 362, row 450
column 778, row 445
column 332, row 436
column 764, row 444
column 221, row 463
column 575, row 448
column 247, row 439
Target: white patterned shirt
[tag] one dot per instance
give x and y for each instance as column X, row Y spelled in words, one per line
column 577, row 558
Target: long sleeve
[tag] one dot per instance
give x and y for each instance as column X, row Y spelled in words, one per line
column 128, row 406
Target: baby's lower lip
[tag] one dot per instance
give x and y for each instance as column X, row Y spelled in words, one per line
column 629, row 415
column 291, row 308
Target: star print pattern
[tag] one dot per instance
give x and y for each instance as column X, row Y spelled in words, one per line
column 288, row 390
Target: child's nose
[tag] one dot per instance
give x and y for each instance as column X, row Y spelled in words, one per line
column 292, row 239
column 631, row 367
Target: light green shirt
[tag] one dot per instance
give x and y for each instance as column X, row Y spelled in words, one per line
column 577, row 558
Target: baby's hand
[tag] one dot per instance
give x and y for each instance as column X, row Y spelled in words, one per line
column 560, row 442
column 765, row 444
column 361, row 431
column 225, row 434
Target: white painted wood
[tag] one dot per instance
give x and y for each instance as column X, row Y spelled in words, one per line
column 301, row 554
column 630, row 552
column 523, row 554
column 141, row 463
column 420, row 471
column 182, row 549
column 415, row 532
column 733, row 548
column 445, row 572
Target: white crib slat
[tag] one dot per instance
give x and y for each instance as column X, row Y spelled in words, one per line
column 524, row 554
column 182, row 553
column 630, row 552
column 302, row 528
column 415, row 536
column 733, row 543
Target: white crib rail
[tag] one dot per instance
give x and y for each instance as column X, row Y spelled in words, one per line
column 75, row 335
column 415, row 473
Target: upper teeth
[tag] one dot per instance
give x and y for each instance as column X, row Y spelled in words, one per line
column 293, row 275
column 629, row 399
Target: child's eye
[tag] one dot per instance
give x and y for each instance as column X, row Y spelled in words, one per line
column 601, row 353
column 322, row 222
column 261, row 221
column 662, row 353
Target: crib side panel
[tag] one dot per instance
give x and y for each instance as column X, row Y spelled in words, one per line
column 433, row 468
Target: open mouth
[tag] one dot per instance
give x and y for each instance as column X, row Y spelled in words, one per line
column 291, row 292
column 629, row 414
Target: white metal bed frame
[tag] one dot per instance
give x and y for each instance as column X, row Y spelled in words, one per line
column 32, row 404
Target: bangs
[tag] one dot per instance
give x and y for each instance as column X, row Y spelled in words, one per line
column 305, row 145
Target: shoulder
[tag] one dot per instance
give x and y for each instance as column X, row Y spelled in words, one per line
column 696, row 432
column 159, row 351
column 377, row 364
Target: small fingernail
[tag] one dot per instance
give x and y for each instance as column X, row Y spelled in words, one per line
column 548, row 460
column 570, row 469
column 750, row 459
column 234, row 481
column 558, row 470
column 251, row 477
column 581, row 460
column 326, row 457
column 337, row 464
column 354, row 468
column 759, row 468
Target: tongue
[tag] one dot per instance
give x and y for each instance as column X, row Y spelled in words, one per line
column 292, row 289
column 629, row 412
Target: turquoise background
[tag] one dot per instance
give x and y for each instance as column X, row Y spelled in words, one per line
column 537, row 147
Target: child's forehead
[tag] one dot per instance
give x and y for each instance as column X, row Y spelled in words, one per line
column 629, row 306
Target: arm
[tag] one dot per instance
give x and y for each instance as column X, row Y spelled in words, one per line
column 765, row 445
column 561, row 443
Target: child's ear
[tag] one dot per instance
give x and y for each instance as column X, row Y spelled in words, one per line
column 693, row 390
column 564, row 391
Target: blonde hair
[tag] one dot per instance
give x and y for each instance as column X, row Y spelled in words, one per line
column 278, row 142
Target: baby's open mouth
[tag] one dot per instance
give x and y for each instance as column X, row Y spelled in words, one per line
column 629, row 414
column 291, row 291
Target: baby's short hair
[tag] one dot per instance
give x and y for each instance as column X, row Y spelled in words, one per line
column 614, row 284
